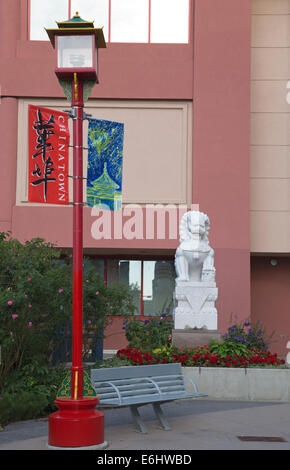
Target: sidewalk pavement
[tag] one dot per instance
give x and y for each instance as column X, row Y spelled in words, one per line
column 200, row 424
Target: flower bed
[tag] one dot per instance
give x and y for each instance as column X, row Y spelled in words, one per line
column 200, row 356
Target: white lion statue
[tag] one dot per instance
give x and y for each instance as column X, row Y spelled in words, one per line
column 194, row 258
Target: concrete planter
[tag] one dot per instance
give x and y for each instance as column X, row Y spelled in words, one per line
column 241, row 384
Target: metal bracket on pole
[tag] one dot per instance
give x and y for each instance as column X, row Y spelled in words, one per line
column 72, row 114
column 77, row 204
column 86, row 116
column 78, row 147
column 79, row 177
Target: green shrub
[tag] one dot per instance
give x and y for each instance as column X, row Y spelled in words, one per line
column 253, row 336
column 229, row 348
column 36, row 304
column 27, row 405
column 149, row 334
column 110, row 362
column 30, row 392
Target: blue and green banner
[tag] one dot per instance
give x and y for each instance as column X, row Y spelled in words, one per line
column 105, row 164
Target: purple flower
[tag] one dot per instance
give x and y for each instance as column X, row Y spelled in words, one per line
column 238, row 339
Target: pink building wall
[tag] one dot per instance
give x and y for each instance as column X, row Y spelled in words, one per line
column 221, row 113
column 271, row 300
column 214, row 72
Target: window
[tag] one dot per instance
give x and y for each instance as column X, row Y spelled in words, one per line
column 139, row 21
column 126, row 272
column 129, row 21
column 93, row 10
column 97, row 264
column 158, row 287
column 169, row 21
column 152, row 282
column 44, row 15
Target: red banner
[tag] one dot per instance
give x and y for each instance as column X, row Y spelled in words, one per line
column 48, row 156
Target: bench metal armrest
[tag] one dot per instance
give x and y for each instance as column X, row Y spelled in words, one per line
column 155, row 384
column 115, row 388
column 192, row 383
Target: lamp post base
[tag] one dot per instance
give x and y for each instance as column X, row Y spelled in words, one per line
column 76, row 425
column 98, row 447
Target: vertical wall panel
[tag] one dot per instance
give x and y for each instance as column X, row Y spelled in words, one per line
column 270, row 127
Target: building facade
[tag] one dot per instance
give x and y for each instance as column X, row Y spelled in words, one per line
column 203, row 98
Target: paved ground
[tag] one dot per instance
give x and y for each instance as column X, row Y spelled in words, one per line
column 196, row 425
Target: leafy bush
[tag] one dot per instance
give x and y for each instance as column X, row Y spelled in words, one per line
column 251, row 335
column 28, row 405
column 149, row 334
column 111, row 362
column 36, row 304
column 40, row 378
column 30, row 392
column 229, row 348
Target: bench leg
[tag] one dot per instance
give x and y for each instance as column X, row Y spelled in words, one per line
column 138, row 419
column 160, row 415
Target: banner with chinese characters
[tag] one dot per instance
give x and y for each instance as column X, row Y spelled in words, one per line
column 48, row 156
column 105, row 164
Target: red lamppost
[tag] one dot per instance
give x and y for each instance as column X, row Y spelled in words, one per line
column 77, row 424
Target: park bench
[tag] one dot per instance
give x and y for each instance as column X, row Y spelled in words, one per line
column 135, row 386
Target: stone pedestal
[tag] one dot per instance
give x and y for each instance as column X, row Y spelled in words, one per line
column 188, row 338
column 195, row 305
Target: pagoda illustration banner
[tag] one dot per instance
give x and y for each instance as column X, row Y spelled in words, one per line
column 105, row 164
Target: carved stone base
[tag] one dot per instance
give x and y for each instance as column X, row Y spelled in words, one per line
column 188, row 338
column 195, row 305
